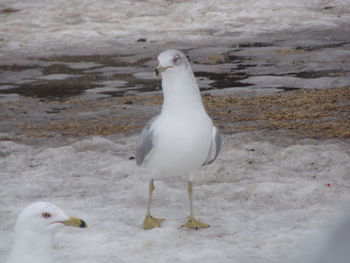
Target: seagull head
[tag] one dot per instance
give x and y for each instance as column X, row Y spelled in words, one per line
column 43, row 217
column 171, row 61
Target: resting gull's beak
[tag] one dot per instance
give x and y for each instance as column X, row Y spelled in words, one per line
column 73, row 221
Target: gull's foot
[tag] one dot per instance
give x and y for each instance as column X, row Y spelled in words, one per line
column 194, row 223
column 151, row 222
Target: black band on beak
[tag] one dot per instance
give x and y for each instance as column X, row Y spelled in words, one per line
column 82, row 224
column 156, row 72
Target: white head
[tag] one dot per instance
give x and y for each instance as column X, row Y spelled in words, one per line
column 172, row 62
column 44, row 217
column 178, row 83
column 34, row 231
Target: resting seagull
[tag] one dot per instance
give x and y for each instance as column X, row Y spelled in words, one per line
column 34, row 232
column 182, row 138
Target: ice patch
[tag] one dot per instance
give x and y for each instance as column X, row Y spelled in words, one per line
column 3, row 87
column 100, row 90
column 112, row 83
column 57, row 76
column 84, row 65
column 20, row 77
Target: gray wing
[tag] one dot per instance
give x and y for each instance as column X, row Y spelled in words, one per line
column 145, row 142
column 215, row 146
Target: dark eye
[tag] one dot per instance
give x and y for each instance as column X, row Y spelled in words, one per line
column 177, row 59
column 46, row 215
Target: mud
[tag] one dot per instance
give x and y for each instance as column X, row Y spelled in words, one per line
column 61, row 97
column 232, row 67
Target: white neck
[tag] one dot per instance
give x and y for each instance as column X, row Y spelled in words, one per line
column 181, row 93
column 29, row 247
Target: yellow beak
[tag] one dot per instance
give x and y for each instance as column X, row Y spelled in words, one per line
column 73, row 221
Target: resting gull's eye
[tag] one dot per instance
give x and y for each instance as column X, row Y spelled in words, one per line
column 46, row 215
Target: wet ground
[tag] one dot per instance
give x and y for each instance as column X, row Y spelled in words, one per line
column 254, row 65
column 73, row 96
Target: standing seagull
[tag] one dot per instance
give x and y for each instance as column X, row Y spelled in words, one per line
column 182, row 138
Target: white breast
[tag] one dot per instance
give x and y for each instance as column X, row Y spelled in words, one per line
column 181, row 145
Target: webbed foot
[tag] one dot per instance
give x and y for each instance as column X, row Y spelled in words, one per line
column 194, row 223
column 151, row 222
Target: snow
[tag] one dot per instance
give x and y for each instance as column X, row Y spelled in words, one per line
column 265, row 201
column 268, row 198
column 44, row 26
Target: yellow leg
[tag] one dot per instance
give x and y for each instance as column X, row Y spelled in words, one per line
column 151, row 222
column 192, row 222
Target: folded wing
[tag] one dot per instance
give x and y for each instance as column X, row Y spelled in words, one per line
column 215, row 146
column 145, row 143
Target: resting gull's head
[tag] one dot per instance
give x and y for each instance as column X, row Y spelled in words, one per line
column 45, row 217
column 34, row 231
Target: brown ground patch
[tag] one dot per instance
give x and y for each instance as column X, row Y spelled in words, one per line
column 306, row 113
column 310, row 113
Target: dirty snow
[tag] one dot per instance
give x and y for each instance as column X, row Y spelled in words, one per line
column 44, row 26
column 264, row 201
